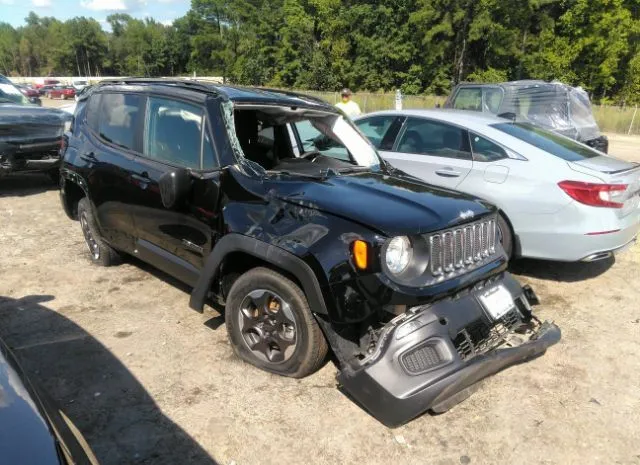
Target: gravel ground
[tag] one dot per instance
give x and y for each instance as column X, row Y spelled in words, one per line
column 150, row 381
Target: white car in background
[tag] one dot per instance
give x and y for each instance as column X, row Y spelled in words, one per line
column 79, row 84
column 559, row 199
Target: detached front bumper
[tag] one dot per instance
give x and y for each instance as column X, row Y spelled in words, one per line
column 431, row 358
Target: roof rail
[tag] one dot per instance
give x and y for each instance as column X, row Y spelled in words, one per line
column 165, row 81
column 292, row 93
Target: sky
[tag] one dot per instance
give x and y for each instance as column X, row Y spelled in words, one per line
column 165, row 11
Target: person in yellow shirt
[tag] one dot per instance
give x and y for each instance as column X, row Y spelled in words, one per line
column 348, row 106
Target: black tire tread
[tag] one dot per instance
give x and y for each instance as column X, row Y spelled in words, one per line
column 316, row 354
column 108, row 255
column 507, row 235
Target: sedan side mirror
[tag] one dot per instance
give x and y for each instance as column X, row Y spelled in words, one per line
column 174, row 187
column 35, row 101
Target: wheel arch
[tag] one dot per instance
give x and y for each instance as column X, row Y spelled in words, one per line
column 273, row 257
column 71, row 193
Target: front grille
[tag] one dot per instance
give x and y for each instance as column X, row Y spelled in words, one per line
column 422, row 359
column 462, row 248
column 479, row 337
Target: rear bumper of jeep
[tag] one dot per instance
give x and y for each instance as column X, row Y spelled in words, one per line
column 434, row 356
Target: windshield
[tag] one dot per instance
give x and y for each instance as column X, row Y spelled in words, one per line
column 10, row 94
column 311, row 142
column 555, row 144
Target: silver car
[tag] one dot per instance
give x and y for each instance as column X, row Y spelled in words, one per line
column 559, row 199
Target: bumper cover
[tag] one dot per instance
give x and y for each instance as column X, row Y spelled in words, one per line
column 394, row 391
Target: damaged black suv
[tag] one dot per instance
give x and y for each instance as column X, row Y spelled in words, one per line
column 274, row 205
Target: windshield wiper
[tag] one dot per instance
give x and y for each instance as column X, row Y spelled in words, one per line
column 354, row 169
column 296, row 174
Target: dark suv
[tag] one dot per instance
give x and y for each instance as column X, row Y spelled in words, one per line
column 30, row 136
column 274, row 205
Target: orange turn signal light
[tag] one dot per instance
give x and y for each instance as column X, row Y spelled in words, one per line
column 361, row 254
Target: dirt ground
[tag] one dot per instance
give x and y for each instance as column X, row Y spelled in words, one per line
column 150, row 381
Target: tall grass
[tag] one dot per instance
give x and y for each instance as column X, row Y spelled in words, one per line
column 610, row 118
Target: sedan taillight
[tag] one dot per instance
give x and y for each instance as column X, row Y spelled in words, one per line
column 595, row 195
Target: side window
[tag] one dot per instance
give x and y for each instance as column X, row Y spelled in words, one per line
column 209, row 161
column 375, row 128
column 173, row 132
column 93, row 111
column 119, row 118
column 468, row 98
column 485, row 150
column 433, row 138
column 493, row 99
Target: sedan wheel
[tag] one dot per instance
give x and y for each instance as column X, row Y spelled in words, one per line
column 505, row 236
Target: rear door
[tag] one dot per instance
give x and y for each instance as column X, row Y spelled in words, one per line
column 434, row 151
column 107, row 152
column 381, row 130
column 176, row 136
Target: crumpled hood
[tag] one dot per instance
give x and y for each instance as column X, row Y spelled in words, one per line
column 23, row 124
column 27, row 114
column 392, row 204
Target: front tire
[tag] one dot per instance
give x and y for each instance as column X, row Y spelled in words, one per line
column 271, row 326
column 100, row 253
column 505, row 236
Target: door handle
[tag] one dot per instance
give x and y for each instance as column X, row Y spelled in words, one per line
column 448, row 173
column 90, row 157
column 141, row 179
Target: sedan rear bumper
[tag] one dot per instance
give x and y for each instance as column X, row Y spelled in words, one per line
column 420, row 366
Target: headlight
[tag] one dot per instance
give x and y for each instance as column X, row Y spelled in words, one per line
column 398, row 254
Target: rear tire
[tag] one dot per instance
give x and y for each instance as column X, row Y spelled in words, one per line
column 505, row 235
column 100, row 253
column 271, row 326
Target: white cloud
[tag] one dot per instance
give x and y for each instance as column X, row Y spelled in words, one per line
column 167, row 22
column 41, row 3
column 102, row 5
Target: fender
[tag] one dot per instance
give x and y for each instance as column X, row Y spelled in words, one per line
column 68, row 176
column 287, row 261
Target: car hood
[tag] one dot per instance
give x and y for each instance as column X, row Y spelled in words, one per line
column 25, row 434
column 32, row 115
column 24, row 124
column 392, row 204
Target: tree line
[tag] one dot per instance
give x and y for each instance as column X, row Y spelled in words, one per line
column 419, row 46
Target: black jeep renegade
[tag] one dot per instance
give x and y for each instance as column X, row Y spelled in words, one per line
column 274, row 205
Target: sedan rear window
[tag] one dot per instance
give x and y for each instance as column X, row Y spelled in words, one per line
column 548, row 141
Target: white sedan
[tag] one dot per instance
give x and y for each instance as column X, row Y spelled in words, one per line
column 559, row 199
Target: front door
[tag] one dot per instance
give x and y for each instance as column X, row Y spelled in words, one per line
column 436, row 152
column 178, row 239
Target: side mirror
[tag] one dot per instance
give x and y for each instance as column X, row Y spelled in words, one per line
column 174, row 187
column 35, row 101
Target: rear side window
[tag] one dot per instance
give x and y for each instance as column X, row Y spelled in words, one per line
column 173, row 132
column 433, row 138
column 93, row 112
column 550, row 142
column 119, row 119
column 485, row 150
column 469, row 98
column 376, row 129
